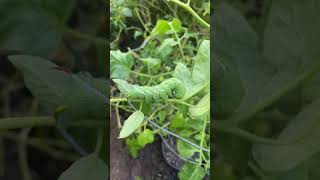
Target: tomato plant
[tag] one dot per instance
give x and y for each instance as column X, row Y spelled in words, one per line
column 162, row 86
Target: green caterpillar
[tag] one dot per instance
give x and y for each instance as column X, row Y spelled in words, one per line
column 172, row 87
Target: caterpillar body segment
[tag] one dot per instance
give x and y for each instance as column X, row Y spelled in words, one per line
column 173, row 88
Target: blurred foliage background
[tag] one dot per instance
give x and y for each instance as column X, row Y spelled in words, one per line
column 266, row 89
column 70, row 33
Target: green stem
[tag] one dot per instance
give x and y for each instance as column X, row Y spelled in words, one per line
column 118, row 115
column 116, row 100
column 99, row 141
column 178, row 40
column 2, row 158
column 86, row 37
column 202, row 140
column 257, row 171
column 180, row 102
column 42, row 121
column 151, row 76
column 191, row 11
column 42, row 147
column 23, row 154
column 24, row 122
column 140, row 19
column 254, row 138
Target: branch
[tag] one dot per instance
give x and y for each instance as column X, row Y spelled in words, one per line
column 187, row 7
column 25, row 122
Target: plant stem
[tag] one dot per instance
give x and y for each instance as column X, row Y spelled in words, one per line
column 187, row 7
column 254, row 138
column 99, row 141
column 180, row 102
column 23, row 154
column 141, row 21
column 149, row 75
column 87, row 37
column 202, row 140
column 116, row 100
column 24, row 122
column 42, row 147
column 178, row 40
column 118, row 115
column 257, row 171
column 2, row 158
column 45, row 121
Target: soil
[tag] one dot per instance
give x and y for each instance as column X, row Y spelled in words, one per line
column 149, row 164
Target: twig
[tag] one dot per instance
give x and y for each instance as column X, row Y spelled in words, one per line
column 191, row 11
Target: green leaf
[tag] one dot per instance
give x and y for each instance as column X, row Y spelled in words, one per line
column 121, row 64
column 298, row 173
column 131, row 124
column 238, row 45
column 229, row 93
column 313, row 167
column 89, row 167
column 183, row 73
column 303, row 132
column 162, row 116
column 201, row 68
column 137, row 34
column 236, row 152
column 263, row 84
column 191, row 172
column 152, row 62
column 24, row 22
column 60, row 9
column 146, row 137
column 161, row 28
column 224, row 171
column 166, row 27
column 164, row 50
column 133, row 146
column 176, row 25
column 202, row 107
column 54, row 88
column 127, row 12
column 178, row 121
column 186, row 150
column 291, row 35
column 311, row 89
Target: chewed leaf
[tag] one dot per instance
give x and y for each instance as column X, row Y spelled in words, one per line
column 131, row 124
